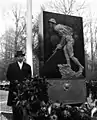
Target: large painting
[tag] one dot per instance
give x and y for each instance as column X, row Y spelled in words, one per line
column 62, row 47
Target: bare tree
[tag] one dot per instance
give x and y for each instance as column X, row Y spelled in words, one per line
column 7, row 49
column 67, row 7
column 90, row 38
column 13, row 39
column 20, row 28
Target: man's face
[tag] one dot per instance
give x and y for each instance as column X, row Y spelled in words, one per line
column 51, row 25
column 20, row 58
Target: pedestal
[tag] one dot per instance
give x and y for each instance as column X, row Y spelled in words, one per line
column 71, row 91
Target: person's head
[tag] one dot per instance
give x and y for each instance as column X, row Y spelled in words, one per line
column 52, row 22
column 19, row 56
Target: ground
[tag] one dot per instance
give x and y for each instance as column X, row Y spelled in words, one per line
column 5, row 111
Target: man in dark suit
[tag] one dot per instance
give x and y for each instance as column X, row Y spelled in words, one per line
column 20, row 71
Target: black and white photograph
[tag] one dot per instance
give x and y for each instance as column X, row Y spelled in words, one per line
column 48, row 60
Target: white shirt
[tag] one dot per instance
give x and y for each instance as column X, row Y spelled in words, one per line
column 20, row 65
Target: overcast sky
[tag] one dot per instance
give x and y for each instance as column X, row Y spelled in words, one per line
column 6, row 5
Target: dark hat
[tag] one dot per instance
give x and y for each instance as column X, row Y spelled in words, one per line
column 19, row 53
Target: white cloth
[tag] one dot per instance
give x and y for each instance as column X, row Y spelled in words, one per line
column 20, row 65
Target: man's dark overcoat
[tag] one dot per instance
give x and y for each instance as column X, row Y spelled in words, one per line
column 15, row 73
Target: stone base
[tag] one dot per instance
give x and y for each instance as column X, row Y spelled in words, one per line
column 66, row 71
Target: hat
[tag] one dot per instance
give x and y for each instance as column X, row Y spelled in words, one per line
column 19, row 53
column 52, row 20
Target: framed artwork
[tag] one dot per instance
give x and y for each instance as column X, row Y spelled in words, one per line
column 61, row 46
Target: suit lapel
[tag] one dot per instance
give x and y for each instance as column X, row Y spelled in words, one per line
column 23, row 66
column 17, row 66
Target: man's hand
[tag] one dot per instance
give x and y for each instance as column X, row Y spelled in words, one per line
column 59, row 46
